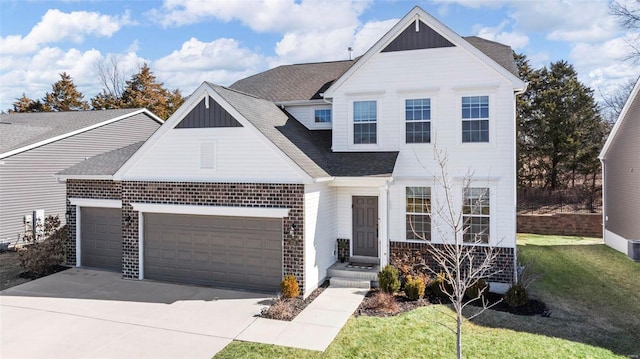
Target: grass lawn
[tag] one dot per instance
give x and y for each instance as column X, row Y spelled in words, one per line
column 592, row 292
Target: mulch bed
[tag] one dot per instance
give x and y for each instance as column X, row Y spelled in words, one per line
column 287, row 309
column 533, row 306
column 32, row 276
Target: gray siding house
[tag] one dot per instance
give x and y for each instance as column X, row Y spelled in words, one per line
column 35, row 146
column 620, row 158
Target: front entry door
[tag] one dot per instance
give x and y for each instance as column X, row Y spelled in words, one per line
column 365, row 226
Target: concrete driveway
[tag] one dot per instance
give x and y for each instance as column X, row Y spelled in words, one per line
column 82, row 313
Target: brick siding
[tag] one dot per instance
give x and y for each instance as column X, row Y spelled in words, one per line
column 504, row 261
column 196, row 193
column 95, row 189
column 565, row 224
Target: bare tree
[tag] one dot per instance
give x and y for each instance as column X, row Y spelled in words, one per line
column 465, row 258
column 628, row 15
column 613, row 102
column 111, row 75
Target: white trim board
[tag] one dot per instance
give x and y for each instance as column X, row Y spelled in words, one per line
column 211, row 210
column 92, row 202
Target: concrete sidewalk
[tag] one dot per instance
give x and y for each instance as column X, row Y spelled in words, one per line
column 314, row 328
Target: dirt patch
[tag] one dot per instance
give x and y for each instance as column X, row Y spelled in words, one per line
column 12, row 274
column 287, row 309
column 368, row 306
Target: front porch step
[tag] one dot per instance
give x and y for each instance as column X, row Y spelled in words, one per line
column 341, row 282
column 343, row 270
column 363, row 259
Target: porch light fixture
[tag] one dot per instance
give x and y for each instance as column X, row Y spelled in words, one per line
column 67, row 215
column 127, row 219
column 292, row 229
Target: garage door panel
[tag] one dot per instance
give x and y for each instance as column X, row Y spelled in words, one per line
column 236, row 252
column 101, row 238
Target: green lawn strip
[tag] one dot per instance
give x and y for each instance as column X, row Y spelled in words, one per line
column 417, row 334
column 593, row 288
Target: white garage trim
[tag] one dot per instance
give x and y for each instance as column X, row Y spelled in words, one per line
column 140, row 246
column 88, row 202
column 92, row 202
column 211, row 210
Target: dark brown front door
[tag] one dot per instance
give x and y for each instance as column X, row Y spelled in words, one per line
column 365, row 226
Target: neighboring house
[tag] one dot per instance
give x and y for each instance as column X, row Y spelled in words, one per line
column 243, row 185
column 35, row 146
column 620, row 158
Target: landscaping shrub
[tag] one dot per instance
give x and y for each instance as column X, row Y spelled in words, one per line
column 473, row 291
column 516, row 296
column 436, row 286
column 388, row 279
column 42, row 257
column 414, row 288
column 289, row 287
column 383, row 302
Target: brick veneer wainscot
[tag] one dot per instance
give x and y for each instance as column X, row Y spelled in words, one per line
column 95, row 189
column 504, row 261
column 197, row 193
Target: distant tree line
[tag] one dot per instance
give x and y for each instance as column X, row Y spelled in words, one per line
column 141, row 90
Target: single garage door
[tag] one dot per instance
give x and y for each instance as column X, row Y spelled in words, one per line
column 101, row 238
column 234, row 252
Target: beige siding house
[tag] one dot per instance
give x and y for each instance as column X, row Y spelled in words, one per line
column 35, row 146
column 620, row 158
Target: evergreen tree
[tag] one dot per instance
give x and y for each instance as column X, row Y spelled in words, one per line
column 144, row 91
column 106, row 101
column 65, row 96
column 25, row 104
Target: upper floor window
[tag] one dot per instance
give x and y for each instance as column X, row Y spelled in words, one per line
column 365, row 116
column 476, row 215
column 323, row 115
column 418, row 213
column 418, row 120
column 475, row 119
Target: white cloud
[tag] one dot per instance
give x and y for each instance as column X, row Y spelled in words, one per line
column 34, row 75
column 264, row 15
column 586, row 21
column 221, row 61
column 514, row 39
column 56, row 26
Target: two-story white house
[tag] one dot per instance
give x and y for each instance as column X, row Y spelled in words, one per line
column 245, row 184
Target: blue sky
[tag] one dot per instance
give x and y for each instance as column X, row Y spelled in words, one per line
column 186, row 42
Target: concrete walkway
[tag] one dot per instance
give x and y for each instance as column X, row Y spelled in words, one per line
column 314, row 328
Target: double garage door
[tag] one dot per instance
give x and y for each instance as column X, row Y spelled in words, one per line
column 234, row 252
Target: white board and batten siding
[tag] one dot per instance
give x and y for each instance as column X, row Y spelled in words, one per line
column 238, row 156
column 305, row 114
column 320, row 233
column 28, row 181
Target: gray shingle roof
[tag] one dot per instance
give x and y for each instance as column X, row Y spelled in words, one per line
column 18, row 130
column 311, row 150
column 293, row 82
column 500, row 53
column 105, row 164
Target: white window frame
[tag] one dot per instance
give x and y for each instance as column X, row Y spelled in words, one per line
column 404, row 129
column 426, row 214
column 315, row 110
column 367, row 96
column 354, row 123
column 490, row 91
column 488, row 194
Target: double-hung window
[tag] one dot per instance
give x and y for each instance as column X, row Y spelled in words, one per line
column 418, row 218
column 476, row 215
column 418, row 120
column 322, row 116
column 365, row 117
column 475, row 119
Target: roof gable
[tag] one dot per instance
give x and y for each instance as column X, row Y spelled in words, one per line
column 417, row 37
column 624, row 114
column 208, row 113
column 419, row 15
